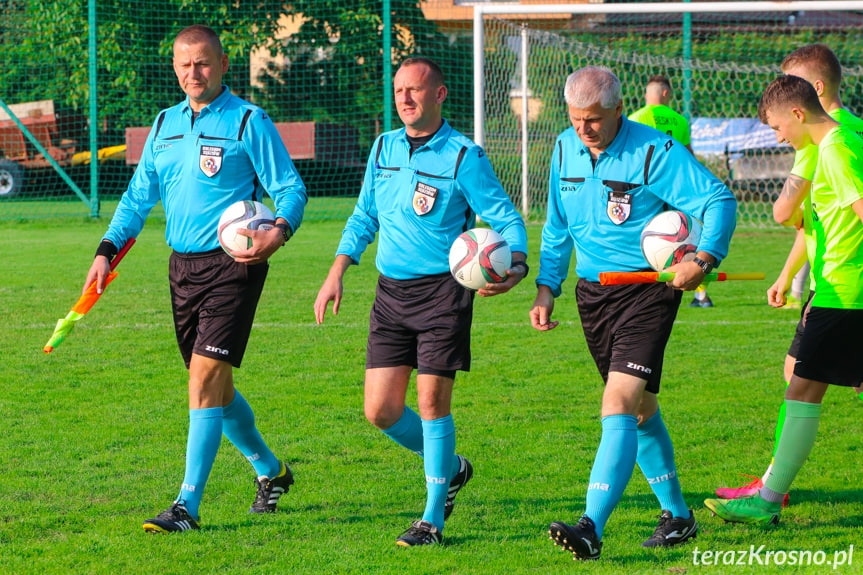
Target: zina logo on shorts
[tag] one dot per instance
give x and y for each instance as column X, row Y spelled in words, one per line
column 635, row 366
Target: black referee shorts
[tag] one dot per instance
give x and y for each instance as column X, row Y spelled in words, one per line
column 627, row 327
column 214, row 300
column 424, row 323
column 830, row 348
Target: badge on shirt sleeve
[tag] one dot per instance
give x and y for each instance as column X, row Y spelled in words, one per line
column 424, row 197
column 619, row 207
column 211, row 160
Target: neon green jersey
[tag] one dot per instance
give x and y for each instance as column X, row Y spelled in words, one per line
column 804, row 167
column 837, row 184
column 805, row 159
column 665, row 120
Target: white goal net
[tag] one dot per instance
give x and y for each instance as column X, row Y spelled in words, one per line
column 718, row 64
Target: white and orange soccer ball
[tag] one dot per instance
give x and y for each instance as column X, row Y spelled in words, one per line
column 243, row 214
column 670, row 238
column 479, row 256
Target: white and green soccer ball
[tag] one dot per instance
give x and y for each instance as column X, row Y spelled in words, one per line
column 670, row 238
column 244, row 214
column 479, row 256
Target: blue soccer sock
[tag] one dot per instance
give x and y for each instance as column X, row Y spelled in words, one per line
column 656, row 460
column 612, row 468
column 239, row 428
column 439, row 447
column 408, row 431
column 205, row 435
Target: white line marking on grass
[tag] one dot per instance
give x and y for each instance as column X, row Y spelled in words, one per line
column 365, row 325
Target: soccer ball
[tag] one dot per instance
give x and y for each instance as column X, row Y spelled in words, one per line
column 243, row 214
column 670, row 238
column 479, row 256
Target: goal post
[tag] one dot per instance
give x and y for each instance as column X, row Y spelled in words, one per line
column 720, row 62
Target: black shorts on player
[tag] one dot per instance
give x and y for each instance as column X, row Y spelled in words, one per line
column 794, row 349
column 424, row 323
column 830, row 348
column 627, row 327
column 214, row 300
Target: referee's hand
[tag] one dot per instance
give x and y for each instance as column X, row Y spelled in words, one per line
column 515, row 274
column 543, row 306
column 492, row 289
column 99, row 270
column 687, row 276
column 264, row 244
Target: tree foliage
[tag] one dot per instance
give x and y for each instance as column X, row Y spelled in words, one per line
column 335, row 70
column 44, row 47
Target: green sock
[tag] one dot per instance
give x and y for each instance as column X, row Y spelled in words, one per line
column 798, row 437
column 780, row 423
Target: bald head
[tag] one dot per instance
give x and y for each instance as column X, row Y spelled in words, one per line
column 199, row 34
column 199, row 64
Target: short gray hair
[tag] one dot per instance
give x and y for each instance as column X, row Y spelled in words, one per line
column 591, row 84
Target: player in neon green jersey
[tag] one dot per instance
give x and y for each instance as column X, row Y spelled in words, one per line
column 657, row 114
column 819, row 66
column 831, row 337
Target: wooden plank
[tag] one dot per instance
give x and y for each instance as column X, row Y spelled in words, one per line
column 29, row 110
column 304, row 141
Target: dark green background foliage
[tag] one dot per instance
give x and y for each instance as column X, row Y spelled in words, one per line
column 334, row 73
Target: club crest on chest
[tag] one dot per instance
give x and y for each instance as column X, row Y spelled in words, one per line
column 424, row 198
column 618, row 207
column 211, row 160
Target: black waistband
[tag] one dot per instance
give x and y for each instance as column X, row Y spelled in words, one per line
column 200, row 255
column 420, row 281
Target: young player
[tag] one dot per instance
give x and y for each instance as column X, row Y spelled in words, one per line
column 831, row 340
column 819, row 66
column 657, row 114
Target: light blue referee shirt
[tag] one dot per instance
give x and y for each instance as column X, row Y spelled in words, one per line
column 421, row 203
column 231, row 152
column 601, row 210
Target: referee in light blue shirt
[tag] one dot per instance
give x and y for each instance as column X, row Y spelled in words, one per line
column 201, row 156
column 609, row 176
column 423, row 186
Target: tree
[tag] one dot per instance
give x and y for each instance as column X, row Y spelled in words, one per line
column 335, row 63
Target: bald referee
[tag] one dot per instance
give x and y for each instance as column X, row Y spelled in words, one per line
column 202, row 155
column 424, row 185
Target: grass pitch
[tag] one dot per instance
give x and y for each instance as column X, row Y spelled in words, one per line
column 93, row 438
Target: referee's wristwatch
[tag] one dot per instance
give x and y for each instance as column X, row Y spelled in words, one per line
column 521, row 267
column 286, row 230
column 706, row 267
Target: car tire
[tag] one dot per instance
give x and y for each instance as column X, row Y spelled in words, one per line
column 11, row 179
